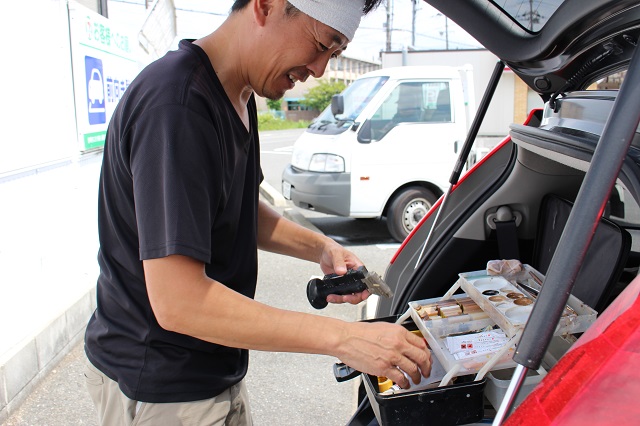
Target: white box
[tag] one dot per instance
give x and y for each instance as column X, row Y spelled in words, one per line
column 498, row 382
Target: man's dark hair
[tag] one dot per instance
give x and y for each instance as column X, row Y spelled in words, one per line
column 369, row 5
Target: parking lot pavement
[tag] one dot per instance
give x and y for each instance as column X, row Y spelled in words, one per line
column 60, row 399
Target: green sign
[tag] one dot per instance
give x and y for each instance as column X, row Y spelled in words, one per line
column 94, row 140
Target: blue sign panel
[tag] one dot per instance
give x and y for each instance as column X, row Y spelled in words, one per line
column 95, row 90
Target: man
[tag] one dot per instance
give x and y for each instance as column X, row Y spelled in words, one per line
column 180, row 222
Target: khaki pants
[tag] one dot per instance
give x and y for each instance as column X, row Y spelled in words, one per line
column 230, row 408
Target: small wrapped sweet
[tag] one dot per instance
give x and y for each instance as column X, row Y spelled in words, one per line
column 504, row 267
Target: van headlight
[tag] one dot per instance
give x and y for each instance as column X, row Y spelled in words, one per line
column 300, row 159
column 326, row 163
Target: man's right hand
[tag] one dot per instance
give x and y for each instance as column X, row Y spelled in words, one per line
column 383, row 349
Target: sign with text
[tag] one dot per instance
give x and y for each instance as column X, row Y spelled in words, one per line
column 104, row 63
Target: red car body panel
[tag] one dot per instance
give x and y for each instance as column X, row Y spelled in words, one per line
column 598, row 381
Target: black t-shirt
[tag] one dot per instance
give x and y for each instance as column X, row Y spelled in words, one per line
column 180, row 175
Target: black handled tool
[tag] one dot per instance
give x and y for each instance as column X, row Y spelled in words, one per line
column 354, row 281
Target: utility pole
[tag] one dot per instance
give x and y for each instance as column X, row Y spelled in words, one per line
column 446, row 31
column 389, row 23
column 413, row 22
column 533, row 16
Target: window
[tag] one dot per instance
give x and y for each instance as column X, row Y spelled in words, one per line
column 610, row 82
column 413, row 102
column 530, row 14
column 295, row 105
column 623, row 210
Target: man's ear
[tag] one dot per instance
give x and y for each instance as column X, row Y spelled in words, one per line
column 262, row 9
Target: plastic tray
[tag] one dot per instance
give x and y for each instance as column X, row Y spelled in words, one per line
column 446, row 326
column 506, row 311
column 435, row 332
column 490, row 293
column 508, row 315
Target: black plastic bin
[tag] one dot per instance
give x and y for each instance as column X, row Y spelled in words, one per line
column 457, row 404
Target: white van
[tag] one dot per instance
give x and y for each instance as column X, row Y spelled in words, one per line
column 385, row 147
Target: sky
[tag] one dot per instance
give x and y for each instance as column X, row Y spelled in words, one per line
column 431, row 32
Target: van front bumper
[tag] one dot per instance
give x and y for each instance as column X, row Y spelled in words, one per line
column 323, row 192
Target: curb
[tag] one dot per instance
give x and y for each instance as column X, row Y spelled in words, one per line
column 277, row 200
column 272, row 195
column 297, row 217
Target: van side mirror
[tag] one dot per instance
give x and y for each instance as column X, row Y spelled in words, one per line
column 337, row 105
column 364, row 135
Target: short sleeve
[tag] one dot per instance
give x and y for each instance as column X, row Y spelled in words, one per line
column 177, row 181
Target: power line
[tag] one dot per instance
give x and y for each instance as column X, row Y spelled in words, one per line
column 201, row 11
column 422, row 35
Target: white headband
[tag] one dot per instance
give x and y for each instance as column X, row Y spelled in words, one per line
column 341, row 15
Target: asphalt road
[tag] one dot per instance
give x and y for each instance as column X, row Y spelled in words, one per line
column 284, row 388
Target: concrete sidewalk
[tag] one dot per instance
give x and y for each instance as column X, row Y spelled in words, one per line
column 48, row 268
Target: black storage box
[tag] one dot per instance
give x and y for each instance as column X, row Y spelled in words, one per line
column 457, row 404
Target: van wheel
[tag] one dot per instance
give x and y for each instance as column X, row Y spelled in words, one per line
column 407, row 209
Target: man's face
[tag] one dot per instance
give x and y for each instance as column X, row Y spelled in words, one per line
column 300, row 47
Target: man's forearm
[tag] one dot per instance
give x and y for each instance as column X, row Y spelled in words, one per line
column 186, row 301
column 279, row 235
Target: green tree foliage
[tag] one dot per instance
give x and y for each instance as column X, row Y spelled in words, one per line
column 275, row 105
column 319, row 97
column 267, row 121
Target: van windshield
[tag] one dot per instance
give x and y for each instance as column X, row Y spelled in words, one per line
column 356, row 97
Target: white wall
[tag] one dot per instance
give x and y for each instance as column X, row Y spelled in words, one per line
column 37, row 110
column 37, row 123
column 90, row 4
column 130, row 14
column 500, row 114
